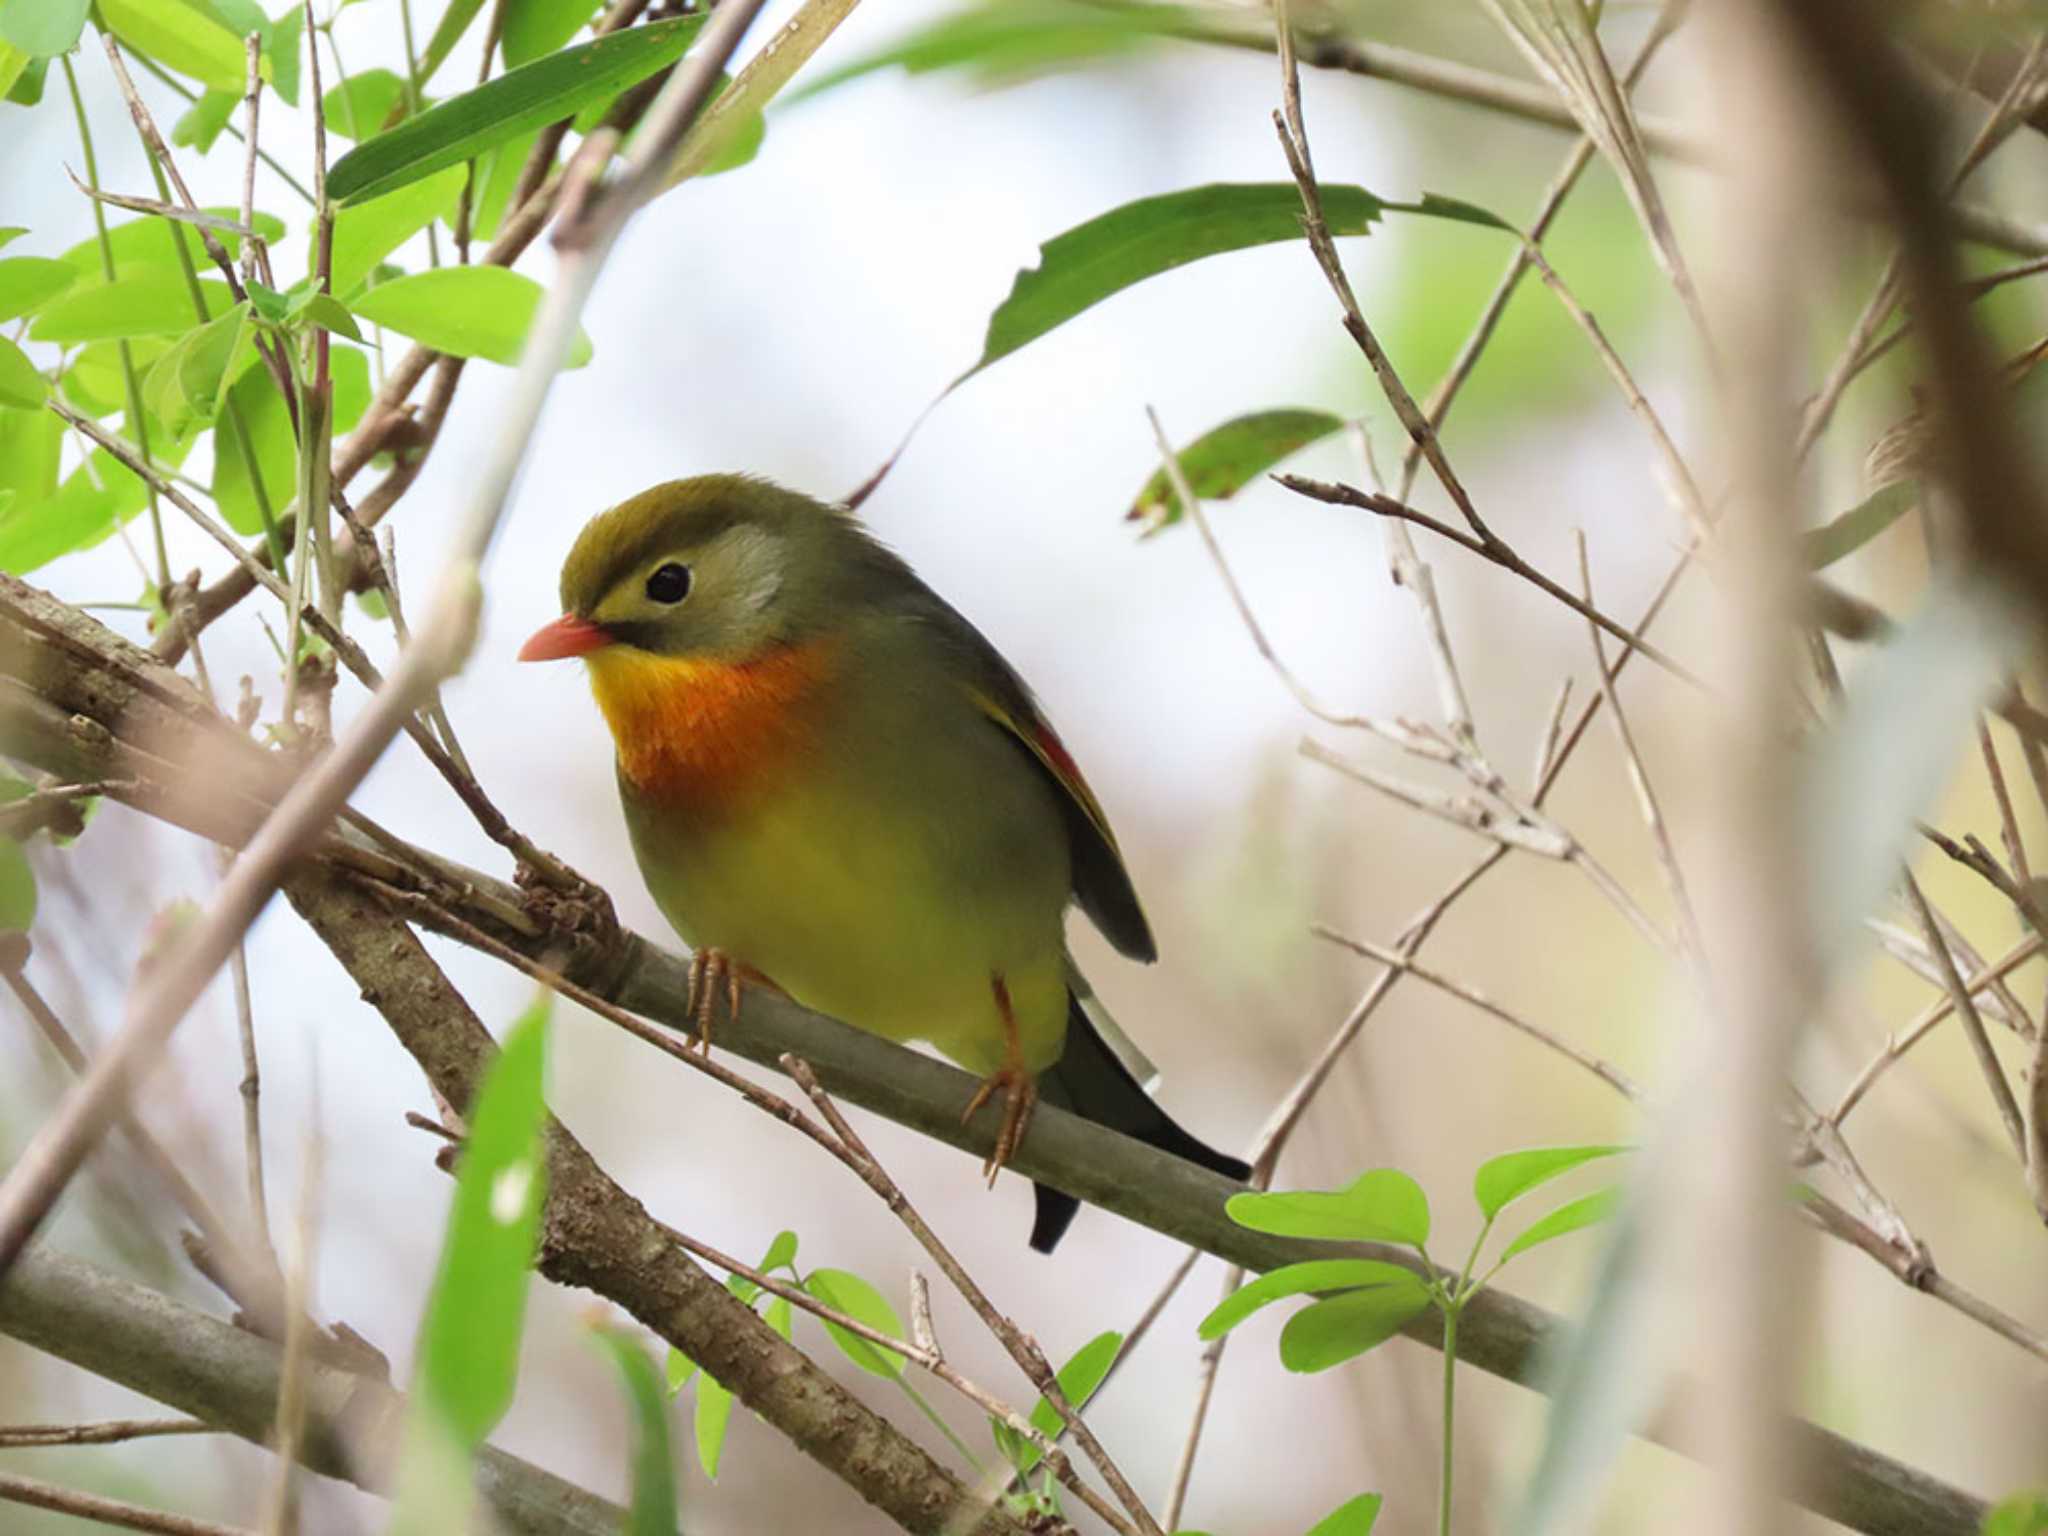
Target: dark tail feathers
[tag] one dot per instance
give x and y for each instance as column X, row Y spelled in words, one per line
column 1089, row 1081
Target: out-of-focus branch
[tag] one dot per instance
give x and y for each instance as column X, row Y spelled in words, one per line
column 228, row 1376
column 79, row 701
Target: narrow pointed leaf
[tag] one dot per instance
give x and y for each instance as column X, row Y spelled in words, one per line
column 1078, row 1379
column 1842, row 537
column 1225, row 459
column 1513, row 1174
column 781, row 1252
column 21, row 383
column 1354, row 1517
column 447, row 33
column 1573, row 1216
column 534, row 28
column 714, row 1414
column 542, row 92
column 1090, row 262
column 653, row 1508
column 856, row 1298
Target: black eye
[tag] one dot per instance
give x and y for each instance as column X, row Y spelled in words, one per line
column 670, row 583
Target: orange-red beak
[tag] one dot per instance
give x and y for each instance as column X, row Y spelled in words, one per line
column 570, row 635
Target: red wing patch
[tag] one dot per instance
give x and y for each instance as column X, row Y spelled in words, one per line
column 1045, row 745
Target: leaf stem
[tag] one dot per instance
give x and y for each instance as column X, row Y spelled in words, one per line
column 1443, row 1501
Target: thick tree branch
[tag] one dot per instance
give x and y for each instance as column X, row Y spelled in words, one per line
column 228, row 1376
column 78, row 701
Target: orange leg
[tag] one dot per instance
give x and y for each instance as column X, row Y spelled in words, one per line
column 710, row 969
column 1019, row 1085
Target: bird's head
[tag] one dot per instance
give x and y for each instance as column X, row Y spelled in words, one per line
column 719, row 569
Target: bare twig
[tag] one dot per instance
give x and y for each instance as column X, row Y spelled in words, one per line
column 1966, row 1013
column 104, row 1432
column 116, row 1512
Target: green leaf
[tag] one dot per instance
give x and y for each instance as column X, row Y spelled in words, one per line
column 1225, row 459
column 740, row 142
column 781, row 1253
column 1327, row 1333
column 29, row 282
column 1458, row 211
column 43, row 28
column 779, row 1317
column 25, row 77
column 714, row 1413
column 367, row 232
column 270, row 431
column 680, row 1369
column 1384, row 1205
column 498, row 172
column 154, row 302
column 186, row 38
column 1011, row 39
column 31, row 449
column 1354, row 1517
column 536, row 27
column 542, row 92
column 742, row 1288
column 281, row 42
column 92, row 499
column 2024, row 1514
column 469, row 1339
column 17, row 887
column 201, row 123
column 21, row 383
column 151, row 241
column 1092, row 261
column 852, row 1295
column 330, row 314
column 1574, row 1216
column 95, row 382
column 1299, row 1279
column 9, row 233
column 1513, row 1174
column 1078, row 1379
column 358, row 107
column 464, row 311
column 447, row 33
column 653, row 1510
column 193, row 376
column 1844, row 535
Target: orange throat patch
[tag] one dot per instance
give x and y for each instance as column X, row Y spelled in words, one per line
column 700, row 733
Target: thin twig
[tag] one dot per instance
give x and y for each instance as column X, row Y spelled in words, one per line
column 103, row 1432
column 116, row 1512
column 1967, row 1015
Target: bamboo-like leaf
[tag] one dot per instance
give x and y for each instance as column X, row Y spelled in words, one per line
column 544, row 91
column 1226, row 458
column 1092, row 261
column 653, row 1508
column 714, row 1413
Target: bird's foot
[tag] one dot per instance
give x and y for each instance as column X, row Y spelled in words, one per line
column 1020, row 1095
column 709, row 970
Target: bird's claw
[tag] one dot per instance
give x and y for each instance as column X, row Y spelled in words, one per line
column 1020, row 1096
column 709, row 968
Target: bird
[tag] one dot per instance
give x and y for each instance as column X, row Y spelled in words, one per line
column 837, row 788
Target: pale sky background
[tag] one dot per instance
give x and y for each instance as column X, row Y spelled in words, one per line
column 792, row 319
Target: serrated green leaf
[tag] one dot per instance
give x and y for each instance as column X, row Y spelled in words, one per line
column 781, row 1253
column 1354, row 1517
column 1225, row 459
column 358, row 107
column 201, row 123
column 1078, row 1379
column 367, row 232
column 542, row 92
column 1844, row 535
column 533, row 28
column 1383, row 1205
column 1513, row 1174
column 848, row 1293
column 21, row 382
column 151, row 241
column 154, row 302
column 186, row 38
column 464, row 311
column 714, row 1413
column 1005, row 40
column 1573, row 1216
column 653, row 1508
column 1299, row 1279
column 1327, row 1333
column 1092, row 261
column 43, row 28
